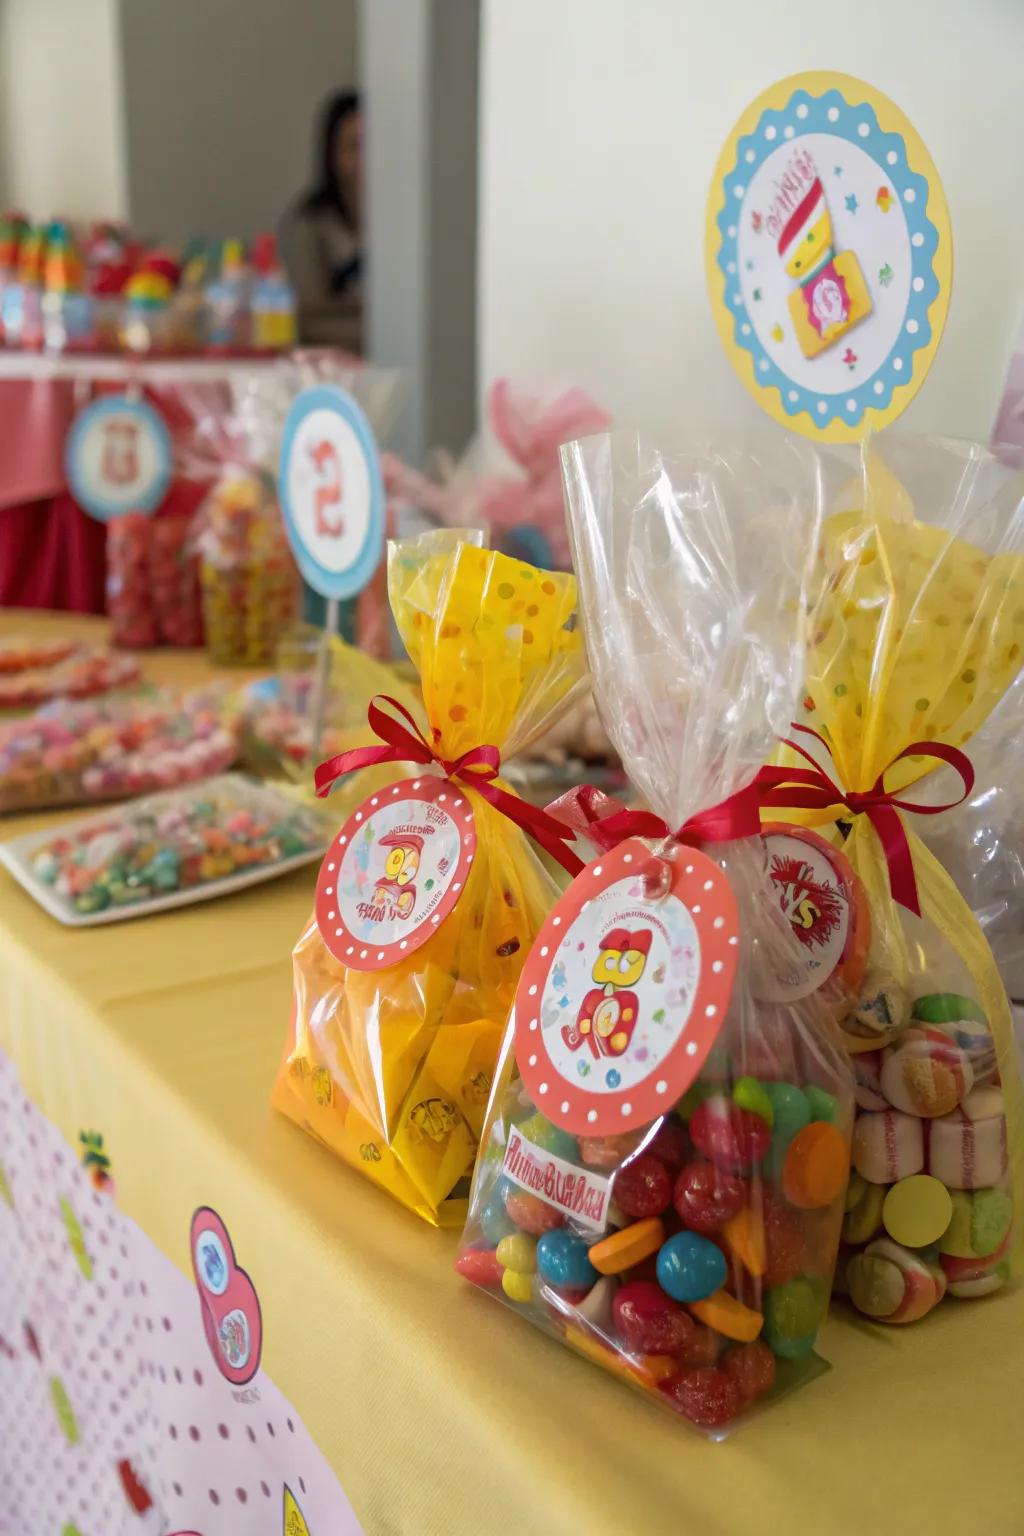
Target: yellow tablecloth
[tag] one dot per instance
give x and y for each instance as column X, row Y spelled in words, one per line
column 438, row 1412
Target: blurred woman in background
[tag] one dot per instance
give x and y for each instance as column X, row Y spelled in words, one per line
column 322, row 238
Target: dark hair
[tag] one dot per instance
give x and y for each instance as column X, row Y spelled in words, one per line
column 328, row 191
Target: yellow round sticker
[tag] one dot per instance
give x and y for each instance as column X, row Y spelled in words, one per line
column 829, row 255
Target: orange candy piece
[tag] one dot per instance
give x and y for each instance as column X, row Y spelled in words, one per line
column 816, row 1166
column 621, row 1250
column 729, row 1316
column 744, row 1237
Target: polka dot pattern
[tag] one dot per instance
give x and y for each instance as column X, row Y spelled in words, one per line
column 110, row 1417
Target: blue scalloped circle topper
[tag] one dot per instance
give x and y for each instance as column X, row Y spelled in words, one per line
column 858, row 124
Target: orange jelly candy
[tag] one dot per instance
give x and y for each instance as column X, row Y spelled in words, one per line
column 621, row 1250
column 816, row 1166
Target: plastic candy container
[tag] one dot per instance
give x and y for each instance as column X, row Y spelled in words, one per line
column 168, row 845
column 152, row 582
column 249, row 582
column 916, row 631
column 431, row 893
column 87, row 670
column 105, row 749
column 662, row 1171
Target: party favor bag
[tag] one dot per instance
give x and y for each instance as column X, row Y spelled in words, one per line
column 431, row 894
column 662, row 1170
column 916, row 631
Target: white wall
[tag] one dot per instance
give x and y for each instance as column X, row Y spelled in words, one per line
column 61, row 130
column 602, row 122
column 221, row 97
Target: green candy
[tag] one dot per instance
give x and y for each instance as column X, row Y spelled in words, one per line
column 750, row 1094
column 543, row 1134
column 946, row 1008
column 694, row 1097
column 822, row 1105
column 979, row 1224
column 93, row 900
column 791, row 1112
column 792, row 1314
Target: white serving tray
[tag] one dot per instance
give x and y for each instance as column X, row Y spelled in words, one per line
column 17, row 854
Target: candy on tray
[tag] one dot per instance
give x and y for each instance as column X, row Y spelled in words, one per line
column 79, row 674
column 20, row 653
column 167, row 850
column 915, row 633
column 664, row 1162
column 431, row 891
column 107, row 749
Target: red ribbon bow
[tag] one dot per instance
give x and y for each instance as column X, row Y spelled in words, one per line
column 811, row 789
column 607, row 822
column 478, row 769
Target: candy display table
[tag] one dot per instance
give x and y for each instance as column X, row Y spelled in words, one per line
column 381, row 1373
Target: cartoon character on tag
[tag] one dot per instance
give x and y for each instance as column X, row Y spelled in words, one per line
column 831, row 296
column 394, row 893
column 608, row 1014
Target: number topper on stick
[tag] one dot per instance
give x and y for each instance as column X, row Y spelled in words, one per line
column 118, row 457
column 331, row 491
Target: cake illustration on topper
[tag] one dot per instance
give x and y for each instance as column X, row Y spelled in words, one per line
column 608, row 1013
column 831, row 296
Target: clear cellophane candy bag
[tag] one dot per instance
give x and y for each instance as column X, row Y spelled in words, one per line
column 249, row 583
column 915, row 632
column 661, row 1176
column 432, row 886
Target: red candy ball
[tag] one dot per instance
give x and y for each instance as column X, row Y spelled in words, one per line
column 732, row 1138
column 671, row 1146
column 531, row 1213
column 642, row 1188
column 705, row 1197
column 705, row 1396
column 752, row 1368
column 650, row 1322
column 702, row 1348
column 785, row 1247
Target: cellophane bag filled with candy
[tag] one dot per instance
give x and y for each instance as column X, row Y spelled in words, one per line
column 916, row 631
column 430, row 896
column 250, row 585
column 152, row 582
column 662, row 1171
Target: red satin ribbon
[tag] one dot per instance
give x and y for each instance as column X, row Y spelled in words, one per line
column 811, row 789
column 736, row 817
column 478, row 768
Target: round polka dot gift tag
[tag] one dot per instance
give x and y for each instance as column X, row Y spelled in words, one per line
column 829, row 255
column 626, row 988
column 395, row 871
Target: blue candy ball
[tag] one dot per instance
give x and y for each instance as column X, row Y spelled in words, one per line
column 690, row 1267
column 562, row 1261
column 495, row 1223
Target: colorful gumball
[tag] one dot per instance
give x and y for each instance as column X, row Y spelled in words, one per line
column 731, row 1138
column 705, row 1197
column 530, row 1213
column 642, row 1187
column 705, row 1395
